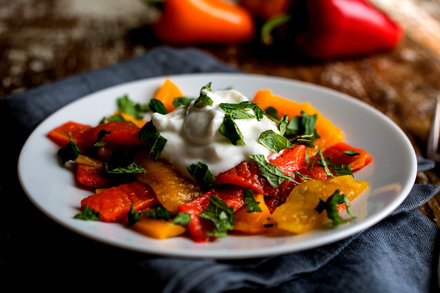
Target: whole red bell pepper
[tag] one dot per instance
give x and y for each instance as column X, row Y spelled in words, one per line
column 325, row 29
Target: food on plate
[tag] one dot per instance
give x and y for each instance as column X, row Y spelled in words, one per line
column 207, row 166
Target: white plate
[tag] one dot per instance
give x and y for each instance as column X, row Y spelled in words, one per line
column 391, row 175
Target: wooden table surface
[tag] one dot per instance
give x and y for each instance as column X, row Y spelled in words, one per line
column 42, row 41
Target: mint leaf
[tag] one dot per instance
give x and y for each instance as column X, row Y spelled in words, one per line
column 230, row 130
column 302, row 125
column 88, row 214
column 250, row 202
column 100, row 136
column 201, row 174
column 122, row 162
column 132, row 217
column 221, row 215
column 351, row 153
column 182, row 102
column 273, row 141
column 152, row 139
column 203, row 99
column 115, row 118
column 70, row 152
column 269, row 171
column 182, row 219
column 272, row 112
column 126, row 105
column 159, row 213
column 282, row 124
column 323, row 162
column 157, row 106
column 330, row 205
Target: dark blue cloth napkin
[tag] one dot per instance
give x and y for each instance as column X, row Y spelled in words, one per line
column 399, row 254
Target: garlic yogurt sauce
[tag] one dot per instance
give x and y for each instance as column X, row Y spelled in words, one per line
column 193, row 135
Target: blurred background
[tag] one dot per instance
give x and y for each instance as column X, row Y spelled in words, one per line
column 383, row 52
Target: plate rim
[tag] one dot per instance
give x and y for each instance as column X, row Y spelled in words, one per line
column 263, row 252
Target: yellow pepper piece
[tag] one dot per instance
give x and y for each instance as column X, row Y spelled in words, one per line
column 255, row 222
column 298, row 214
column 138, row 123
column 158, row 229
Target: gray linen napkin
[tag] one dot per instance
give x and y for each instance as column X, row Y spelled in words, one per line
column 397, row 254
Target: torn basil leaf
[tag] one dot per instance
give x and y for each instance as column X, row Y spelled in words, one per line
column 230, row 130
column 221, row 215
column 202, row 175
column 302, row 125
column 100, row 136
column 115, row 118
column 273, row 141
column 159, row 213
column 269, row 171
column 152, row 139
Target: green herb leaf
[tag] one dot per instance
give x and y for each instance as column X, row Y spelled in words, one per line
column 122, row 162
column 70, row 152
column 182, row 219
column 221, row 215
column 324, row 163
column 282, row 124
column 152, row 139
column 238, row 111
column 273, row 141
column 88, row 214
column 330, row 205
column 115, row 118
column 269, row 171
column 250, row 202
column 159, row 213
column 351, row 153
column 132, row 217
column 126, row 105
column 182, row 101
column 303, row 139
column 157, row 106
column 230, row 130
column 272, row 112
column 302, row 125
column 100, row 135
column 302, row 175
column 203, row 99
column 201, row 174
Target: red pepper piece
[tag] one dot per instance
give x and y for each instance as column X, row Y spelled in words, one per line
column 121, row 133
column 356, row 162
column 245, row 174
column 233, row 196
column 113, row 204
column 338, row 28
column 91, row 177
column 204, row 21
column 316, row 172
column 290, row 160
column 58, row 135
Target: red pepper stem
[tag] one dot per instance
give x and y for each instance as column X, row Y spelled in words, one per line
column 270, row 25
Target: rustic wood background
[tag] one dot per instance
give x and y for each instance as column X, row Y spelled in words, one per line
column 42, row 41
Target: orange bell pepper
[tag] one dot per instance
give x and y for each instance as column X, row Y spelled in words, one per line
column 204, row 21
column 166, row 94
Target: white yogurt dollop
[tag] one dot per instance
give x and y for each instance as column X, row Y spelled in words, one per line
column 193, row 135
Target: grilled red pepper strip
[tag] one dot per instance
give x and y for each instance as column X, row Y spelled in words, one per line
column 113, row 204
column 75, row 130
column 338, row 28
column 345, row 154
